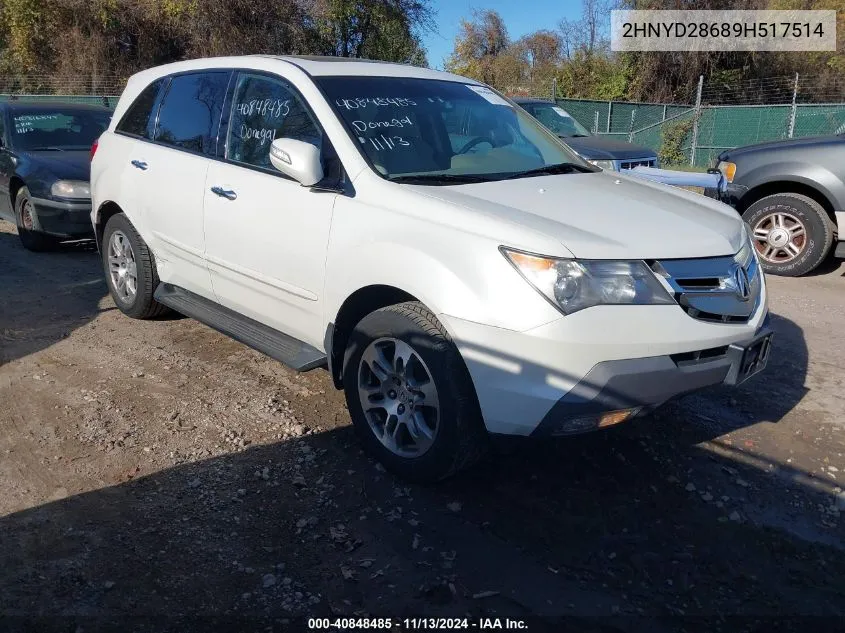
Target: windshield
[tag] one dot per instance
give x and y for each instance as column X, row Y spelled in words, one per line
column 443, row 132
column 57, row 129
column 556, row 119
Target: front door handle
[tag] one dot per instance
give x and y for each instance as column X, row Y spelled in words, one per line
column 139, row 164
column 224, row 193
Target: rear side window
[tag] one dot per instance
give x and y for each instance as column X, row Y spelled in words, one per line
column 190, row 113
column 264, row 109
column 139, row 119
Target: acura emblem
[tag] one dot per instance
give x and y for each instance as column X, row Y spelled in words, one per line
column 741, row 283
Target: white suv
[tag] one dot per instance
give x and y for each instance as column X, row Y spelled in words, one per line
column 459, row 270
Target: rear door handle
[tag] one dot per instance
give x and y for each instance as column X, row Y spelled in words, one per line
column 224, row 193
column 140, row 165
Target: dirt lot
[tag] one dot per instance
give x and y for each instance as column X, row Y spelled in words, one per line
column 159, row 469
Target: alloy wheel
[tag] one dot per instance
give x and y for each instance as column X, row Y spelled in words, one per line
column 26, row 214
column 399, row 397
column 779, row 237
column 122, row 267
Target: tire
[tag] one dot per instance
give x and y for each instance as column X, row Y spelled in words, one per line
column 139, row 304
column 799, row 220
column 459, row 437
column 31, row 238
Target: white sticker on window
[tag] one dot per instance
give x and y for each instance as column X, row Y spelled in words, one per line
column 561, row 112
column 489, row 95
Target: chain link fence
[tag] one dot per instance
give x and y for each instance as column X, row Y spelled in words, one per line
column 724, row 115
column 94, row 89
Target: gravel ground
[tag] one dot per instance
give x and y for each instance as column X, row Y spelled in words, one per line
column 159, row 469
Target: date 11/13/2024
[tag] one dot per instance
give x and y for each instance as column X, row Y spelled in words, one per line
column 419, row 624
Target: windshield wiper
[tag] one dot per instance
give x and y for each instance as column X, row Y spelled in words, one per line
column 439, row 179
column 560, row 168
column 46, row 149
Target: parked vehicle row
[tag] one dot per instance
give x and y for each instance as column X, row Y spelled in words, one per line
column 459, row 271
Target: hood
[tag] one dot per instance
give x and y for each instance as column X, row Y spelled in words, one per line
column 604, row 148
column 784, row 144
column 605, row 216
column 69, row 165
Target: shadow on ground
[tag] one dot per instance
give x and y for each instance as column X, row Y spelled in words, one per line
column 45, row 296
column 604, row 524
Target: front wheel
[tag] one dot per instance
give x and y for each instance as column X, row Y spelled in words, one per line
column 791, row 232
column 410, row 395
column 28, row 229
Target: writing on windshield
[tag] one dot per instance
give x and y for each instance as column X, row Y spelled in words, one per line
column 58, row 129
column 407, row 126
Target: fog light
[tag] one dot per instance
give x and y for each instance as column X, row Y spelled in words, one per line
column 589, row 423
column 615, row 417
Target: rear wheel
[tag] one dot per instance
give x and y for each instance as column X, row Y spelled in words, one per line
column 130, row 269
column 791, row 232
column 410, row 396
column 28, row 229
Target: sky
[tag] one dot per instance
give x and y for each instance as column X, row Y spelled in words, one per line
column 520, row 16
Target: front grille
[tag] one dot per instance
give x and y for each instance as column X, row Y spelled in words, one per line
column 637, row 162
column 715, row 289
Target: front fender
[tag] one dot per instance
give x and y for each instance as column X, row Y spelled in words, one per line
column 452, row 272
column 815, row 176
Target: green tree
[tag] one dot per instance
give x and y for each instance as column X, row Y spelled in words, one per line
column 373, row 29
column 480, row 42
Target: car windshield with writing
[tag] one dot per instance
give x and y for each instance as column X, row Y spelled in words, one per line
column 57, row 130
column 443, row 132
column 558, row 120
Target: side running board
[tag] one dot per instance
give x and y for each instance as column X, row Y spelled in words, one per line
column 286, row 349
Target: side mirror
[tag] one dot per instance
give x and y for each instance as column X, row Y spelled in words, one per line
column 297, row 159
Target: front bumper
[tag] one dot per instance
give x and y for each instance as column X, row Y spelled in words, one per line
column 602, row 359
column 63, row 218
column 731, row 195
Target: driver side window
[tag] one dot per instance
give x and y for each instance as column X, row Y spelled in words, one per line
column 264, row 109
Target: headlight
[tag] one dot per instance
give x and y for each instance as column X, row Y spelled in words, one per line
column 71, row 189
column 604, row 164
column 728, row 170
column 572, row 285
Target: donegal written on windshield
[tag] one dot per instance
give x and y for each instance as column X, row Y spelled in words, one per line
column 406, row 126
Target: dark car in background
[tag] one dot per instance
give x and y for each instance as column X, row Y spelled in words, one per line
column 45, row 169
column 791, row 194
column 601, row 151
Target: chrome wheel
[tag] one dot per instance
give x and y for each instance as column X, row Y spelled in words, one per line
column 122, row 268
column 399, row 397
column 779, row 237
column 26, row 214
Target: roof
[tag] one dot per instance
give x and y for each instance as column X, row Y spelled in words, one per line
column 312, row 65
column 44, row 106
column 324, row 65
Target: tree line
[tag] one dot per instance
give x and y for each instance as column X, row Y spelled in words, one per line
column 67, row 40
column 577, row 56
column 74, row 42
